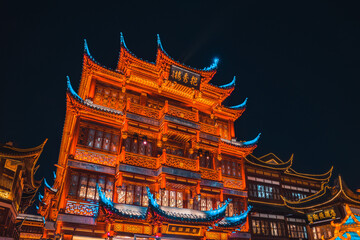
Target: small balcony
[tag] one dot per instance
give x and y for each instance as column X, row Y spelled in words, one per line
column 179, row 162
column 139, row 160
column 142, row 110
column 182, row 113
column 206, row 128
column 210, row 174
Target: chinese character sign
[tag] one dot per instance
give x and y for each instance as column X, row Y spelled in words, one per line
column 184, row 77
column 324, row 214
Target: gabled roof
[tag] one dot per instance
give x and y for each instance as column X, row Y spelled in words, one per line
column 266, row 162
column 326, row 195
column 271, row 161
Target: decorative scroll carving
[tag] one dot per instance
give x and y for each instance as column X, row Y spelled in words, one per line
column 210, row 174
column 93, row 157
column 182, row 113
column 140, row 160
column 233, row 183
column 82, row 208
column 208, row 128
column 216, row 235
column 144, row 111
column 179, row 162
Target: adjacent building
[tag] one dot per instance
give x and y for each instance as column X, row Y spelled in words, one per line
column 271, row 180
column 17, row 185
column 148, row 151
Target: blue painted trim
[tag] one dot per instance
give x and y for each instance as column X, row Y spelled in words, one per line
column 240, row 106
column 252, row 142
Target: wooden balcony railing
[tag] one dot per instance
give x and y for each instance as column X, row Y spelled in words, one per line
column 95, row 156
column 210, row 174
column 142, row 110
column 179, row 162
column 139, row 160
column 206, row 128
column 182, row 113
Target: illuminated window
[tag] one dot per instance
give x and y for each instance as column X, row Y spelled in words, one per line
column 165, row 197
column 180, row 200
column 138, row 193
column 73, row 184
column 256, row 226
column 98, row 139
column 172, row 199
column 231, row 209
column 129, row 194
column 109, row 189
column 91, row 188
column 121, row 191
column 203, row 204
column 145, row 199
column 83, row 186
column 274, row 230
column 106, row 143
column 231, row 168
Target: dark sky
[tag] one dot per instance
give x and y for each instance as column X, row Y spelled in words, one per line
column 297, row 62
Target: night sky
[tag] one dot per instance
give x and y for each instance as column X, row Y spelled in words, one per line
column 297, row 62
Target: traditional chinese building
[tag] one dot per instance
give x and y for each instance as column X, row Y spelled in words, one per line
column 30, row 226
column 332, row 212
column 159, row 144
column 17, row 185
column 268, row 180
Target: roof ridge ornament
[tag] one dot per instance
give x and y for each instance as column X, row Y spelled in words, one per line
column 230, row 84
column 159, row 44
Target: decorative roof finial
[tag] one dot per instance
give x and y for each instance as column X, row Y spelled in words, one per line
column 252, row 142
column 240, row 106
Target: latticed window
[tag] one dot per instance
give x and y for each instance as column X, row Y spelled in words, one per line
column 206, row 160
column 132, row 194
column 231, row 168
column 83, row 186
column 236, row 206
column 297, row 231
column 98, row 139
column 136, row 145
column 263, row 191
column 171, row 198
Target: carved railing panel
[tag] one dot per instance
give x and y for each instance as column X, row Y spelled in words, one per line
column 180, row 162
column 139, row 160
column 82, row 208
column 233, row 183
column 95, row 157
column 210, row 174
column 208, row 129
column 182, row 113
column 144, row 111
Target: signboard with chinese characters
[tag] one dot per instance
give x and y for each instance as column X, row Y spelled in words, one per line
column 184, row 77
column 183, row 230
column 323, row 215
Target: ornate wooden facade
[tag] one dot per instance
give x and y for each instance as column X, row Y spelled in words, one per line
column 17, row 185
column 269, row 181
column 159, row 125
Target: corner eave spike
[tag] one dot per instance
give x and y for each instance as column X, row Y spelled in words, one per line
column 86, row 48
column 252, row 142
column 46, row 184
column 229, row 85
column 240, row 106
column 159, row 42
column 71, row 90
column 213, row 66
column 122, row 41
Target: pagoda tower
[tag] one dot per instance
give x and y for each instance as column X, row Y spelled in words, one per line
column 148, row 151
